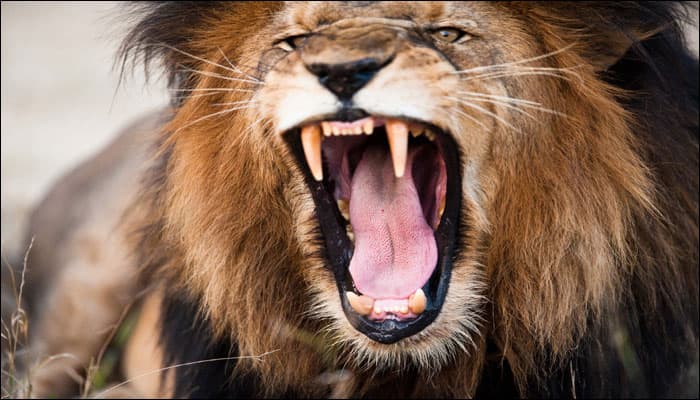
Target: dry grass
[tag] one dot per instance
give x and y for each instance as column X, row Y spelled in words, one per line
column 17, row 377
column 98, row 380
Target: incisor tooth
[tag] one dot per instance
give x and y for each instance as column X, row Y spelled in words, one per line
column 336, row 131
column 311, row 141
column 397, row 133
column 358, row 130
column 361, row 304
column 416, row 130
column 417, row 302
column 368, row 127
column 326, row 128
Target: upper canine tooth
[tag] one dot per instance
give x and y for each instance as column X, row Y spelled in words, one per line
column 430, row 135
column 326, row 128
column 397, row 133
column 363, row 305
column 311, row 141
column 368, row 126
column 417, row 302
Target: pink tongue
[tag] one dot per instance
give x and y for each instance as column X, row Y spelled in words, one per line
column 395, row 250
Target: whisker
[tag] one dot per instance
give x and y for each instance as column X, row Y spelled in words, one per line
column 476, row 121
column 237, row 102
column 522, row 103
column 485, row 111
column 200, row 119
column 258, row 357
column 527, row 60
column 250, row 127
column 215, row 75
column 233, row 103
column 235, row 67
column 194, row 96
column 498, row 97
column 220, row 90
column 514, row 74
column 500, row 103
column 195, row 57
column 525, row 70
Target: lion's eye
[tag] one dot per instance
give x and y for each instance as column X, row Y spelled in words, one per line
column 293, row 42
column 448, row 35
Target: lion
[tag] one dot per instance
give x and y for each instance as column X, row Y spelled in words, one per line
column 395, row 199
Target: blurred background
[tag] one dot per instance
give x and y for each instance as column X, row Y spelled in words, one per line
column 60, row 101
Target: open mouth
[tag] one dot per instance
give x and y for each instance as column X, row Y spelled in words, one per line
column 387, row 199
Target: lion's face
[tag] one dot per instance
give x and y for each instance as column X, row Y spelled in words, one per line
column 407, row 161
column 395, row 114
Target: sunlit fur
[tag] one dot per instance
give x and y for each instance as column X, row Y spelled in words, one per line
column 565, row 215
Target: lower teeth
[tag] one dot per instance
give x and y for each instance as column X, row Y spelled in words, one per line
column 350, row 233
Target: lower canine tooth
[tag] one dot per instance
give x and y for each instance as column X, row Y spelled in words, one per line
column 344, row 208
column 417, row 302
column 311, row 142
column 361, row 304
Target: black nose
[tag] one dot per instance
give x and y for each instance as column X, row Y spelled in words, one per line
column 345, row 79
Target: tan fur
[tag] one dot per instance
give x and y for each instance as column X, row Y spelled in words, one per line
column 81, row 274
column 550, row 200
column 143, row 357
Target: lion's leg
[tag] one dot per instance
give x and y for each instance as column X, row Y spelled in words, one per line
column 77, row 320
column 81, row 271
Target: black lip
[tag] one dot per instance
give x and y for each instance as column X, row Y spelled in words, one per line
column 339, row 248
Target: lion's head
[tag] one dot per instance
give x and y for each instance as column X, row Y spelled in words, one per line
column 413, row 186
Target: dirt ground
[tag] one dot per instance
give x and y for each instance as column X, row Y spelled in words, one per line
column 59, row 98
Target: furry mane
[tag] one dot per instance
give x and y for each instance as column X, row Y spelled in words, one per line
column 596, row 277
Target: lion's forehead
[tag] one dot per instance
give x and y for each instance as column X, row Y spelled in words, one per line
column 314, row 14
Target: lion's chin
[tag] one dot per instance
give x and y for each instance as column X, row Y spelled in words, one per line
column 387, row 195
